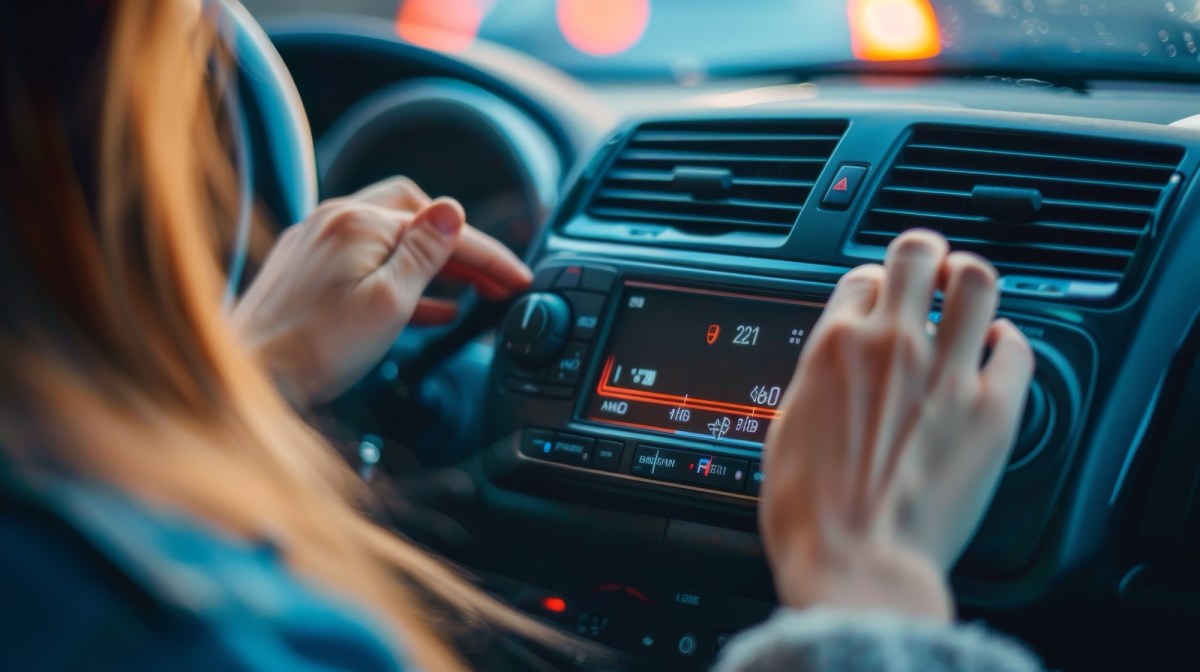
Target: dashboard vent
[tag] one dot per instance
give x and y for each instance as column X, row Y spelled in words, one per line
column 1033, row 204
column 717, row 177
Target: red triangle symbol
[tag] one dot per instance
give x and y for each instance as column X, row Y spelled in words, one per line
column 842, row 184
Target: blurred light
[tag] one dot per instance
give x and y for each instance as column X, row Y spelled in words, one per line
column 441, row 25
column 893, row 30
column 603, row 27
column 556, row 605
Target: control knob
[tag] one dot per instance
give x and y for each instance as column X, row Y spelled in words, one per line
column 536, row 329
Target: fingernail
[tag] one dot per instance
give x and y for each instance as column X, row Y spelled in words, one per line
column 445, row 219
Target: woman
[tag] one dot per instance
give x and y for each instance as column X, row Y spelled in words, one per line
column 162, row 505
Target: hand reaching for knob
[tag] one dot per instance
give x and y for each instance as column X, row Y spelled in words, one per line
column 891, row 443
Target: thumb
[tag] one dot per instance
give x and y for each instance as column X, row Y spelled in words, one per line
column 426, row 245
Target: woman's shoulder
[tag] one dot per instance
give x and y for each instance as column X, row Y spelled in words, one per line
column 94, row 579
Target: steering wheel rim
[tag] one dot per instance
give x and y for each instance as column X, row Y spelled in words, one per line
column 275, row 145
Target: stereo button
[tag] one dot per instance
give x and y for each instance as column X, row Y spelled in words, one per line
column 754, row 483
column 567, row 366
column 660, row 464
column 569, row 278
column 587, row 308
column 608, row 455
column 721, row 473
column 544, row 278
column 598, row 279
column 537, row 443
column 573, row 450
column 718, row 472
column 845, row 185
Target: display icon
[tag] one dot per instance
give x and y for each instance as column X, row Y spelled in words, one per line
column 644, row 377
column 719, row 427
column 797, row 337
column 714, row 332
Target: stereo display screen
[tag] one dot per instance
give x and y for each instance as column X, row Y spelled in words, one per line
column 699, row 364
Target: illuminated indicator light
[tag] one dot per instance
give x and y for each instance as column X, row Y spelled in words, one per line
column 842, row 184
column 893, row 30
column 603, row 27
column 705, row 466
column 714, row 331
column 555, row 605
column 441, row 25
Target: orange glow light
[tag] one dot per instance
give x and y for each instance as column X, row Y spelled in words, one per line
column 603, row 27
column 893, row 30
column 441, row 25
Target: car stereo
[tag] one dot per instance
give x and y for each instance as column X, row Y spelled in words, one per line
column 654, row 378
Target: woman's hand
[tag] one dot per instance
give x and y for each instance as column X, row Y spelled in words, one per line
column 891, row 443
column 336, row 289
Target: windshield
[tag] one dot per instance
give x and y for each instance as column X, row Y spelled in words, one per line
column 712, row 38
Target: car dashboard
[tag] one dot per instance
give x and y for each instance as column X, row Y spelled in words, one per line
column 624, row 400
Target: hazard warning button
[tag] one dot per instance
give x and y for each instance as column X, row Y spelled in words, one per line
column 845, row 185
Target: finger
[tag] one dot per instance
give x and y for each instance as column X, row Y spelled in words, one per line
column 857, row 290
column 969, row 307
column 399, row 193
column 425, row 246
column 1010, row 367
column 434, row 312
column 486, row 287
column 912, row 264
column 486, row 263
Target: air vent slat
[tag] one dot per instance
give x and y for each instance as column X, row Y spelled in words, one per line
column 696, row 157
column 1089, row 272
column 665, row 197
column 1058, row 202
column 665, row 177
column 983, row 243
column 1041, row 204
column 687, row 222
column 1009, row 155
column 716, row 177
column 1019, row 180
column 942, row 219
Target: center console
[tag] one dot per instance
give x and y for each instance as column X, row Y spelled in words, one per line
column 651, row 378
column 633, row 388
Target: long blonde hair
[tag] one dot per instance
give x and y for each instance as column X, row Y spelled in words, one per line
column 116, row 362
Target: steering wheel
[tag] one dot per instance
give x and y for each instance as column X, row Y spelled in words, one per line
column 277, row 165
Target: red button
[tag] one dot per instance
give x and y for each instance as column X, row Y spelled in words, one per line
column 845, row 185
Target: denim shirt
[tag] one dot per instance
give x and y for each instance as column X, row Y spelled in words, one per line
column 91, row 579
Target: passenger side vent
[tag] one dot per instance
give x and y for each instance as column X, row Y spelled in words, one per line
column 716, row 177
column 1033, row 204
